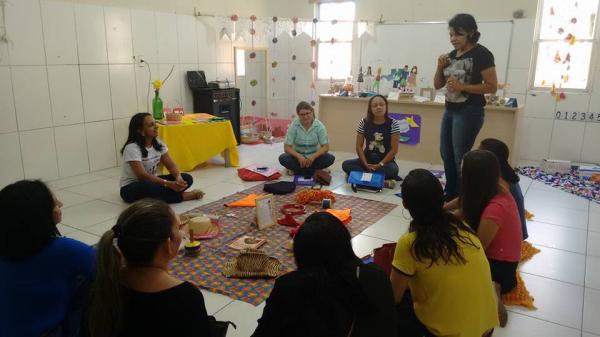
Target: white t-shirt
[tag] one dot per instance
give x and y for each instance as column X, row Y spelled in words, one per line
column 132, row 152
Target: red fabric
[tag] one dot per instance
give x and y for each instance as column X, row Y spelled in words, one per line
column 506, row 245
column 248, row 175
column 383, row 257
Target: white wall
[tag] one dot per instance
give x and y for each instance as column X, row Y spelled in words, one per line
column 68, row 84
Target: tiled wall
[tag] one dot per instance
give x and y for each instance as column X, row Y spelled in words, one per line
column 68, row 82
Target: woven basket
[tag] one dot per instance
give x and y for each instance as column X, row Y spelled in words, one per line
column 252, row 263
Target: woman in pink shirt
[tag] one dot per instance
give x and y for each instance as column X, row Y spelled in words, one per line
column 488, row 207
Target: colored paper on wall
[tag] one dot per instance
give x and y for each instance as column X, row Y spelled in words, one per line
column 411, row 131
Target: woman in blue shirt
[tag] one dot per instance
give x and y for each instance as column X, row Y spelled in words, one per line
column 45, row 277
column 306, row 144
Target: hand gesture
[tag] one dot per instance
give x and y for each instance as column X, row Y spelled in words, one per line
column 443, row 61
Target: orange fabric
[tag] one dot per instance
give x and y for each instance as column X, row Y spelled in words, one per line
column 344, row 215
column 247, row 201
column 519, row 295
column 309, row 195
column 528, row 215
column 527, row 251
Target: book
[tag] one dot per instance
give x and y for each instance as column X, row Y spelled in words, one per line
column 246, row 242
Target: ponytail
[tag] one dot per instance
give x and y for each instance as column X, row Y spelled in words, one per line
column 106, row 305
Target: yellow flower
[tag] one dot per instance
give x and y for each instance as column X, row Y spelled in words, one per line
column 157, row 84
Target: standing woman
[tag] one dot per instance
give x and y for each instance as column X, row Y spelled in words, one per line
column 377, row 139
column 142, row 153
column 468, row 72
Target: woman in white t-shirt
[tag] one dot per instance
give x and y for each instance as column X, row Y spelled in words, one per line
column 142, row 153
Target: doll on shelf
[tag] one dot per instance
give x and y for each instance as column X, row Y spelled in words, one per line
column 412, row 77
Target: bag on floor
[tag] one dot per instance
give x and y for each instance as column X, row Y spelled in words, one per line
column 322, row 177
column 383, row 257
column 281, row 187
column 248, row 175
column 366, row 181
column 219, row 328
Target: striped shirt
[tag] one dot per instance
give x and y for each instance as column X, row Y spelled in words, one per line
column 378, row 138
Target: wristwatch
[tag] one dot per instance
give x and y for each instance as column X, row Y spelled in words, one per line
column 381, row 164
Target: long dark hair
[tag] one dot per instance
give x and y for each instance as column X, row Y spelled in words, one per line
column 323, row 252
column 370, row 115
column 134, row 136
column 465, row 23
column 134, row 240
column 437, row 231
column 27, row 219
column 479, row 184
column 500, row 149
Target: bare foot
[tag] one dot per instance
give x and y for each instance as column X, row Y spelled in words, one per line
column 390, row 183
column 193, row 195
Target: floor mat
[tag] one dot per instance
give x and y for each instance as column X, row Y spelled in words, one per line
column 569, row 182
column 205, row 270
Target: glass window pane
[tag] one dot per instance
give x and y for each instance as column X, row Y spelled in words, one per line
column 336, row 11
column 334, row 60
column 562, row 64
column 341, row 31
column 563, row 17
column 240, row 65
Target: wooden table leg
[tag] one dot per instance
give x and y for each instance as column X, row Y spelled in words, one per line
column 226, row 157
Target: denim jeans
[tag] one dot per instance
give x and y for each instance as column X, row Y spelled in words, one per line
column 459, row 130
column 389, row 169
column 291, row 163
column 147, row 189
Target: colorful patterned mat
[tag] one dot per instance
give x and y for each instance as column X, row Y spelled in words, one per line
column 571, row 182
column 205, row 270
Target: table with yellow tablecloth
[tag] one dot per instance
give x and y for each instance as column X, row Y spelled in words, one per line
column 195, row 140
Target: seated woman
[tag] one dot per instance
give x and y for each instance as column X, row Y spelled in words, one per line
column 488, row 207
column 332, row 293
column 306, row 144
column 377, row 142
column 45, row 277
column 142, row 153
column 508, row 177
column 443, row 263
column 134, row 294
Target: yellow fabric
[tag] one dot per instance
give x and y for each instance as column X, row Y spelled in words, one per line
column 527, row 251
column 247, row 201
column 455, row 299
column 528, row 215
column 191, row 143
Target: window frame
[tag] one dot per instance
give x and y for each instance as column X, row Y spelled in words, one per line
column 351, row 41
column 535, row 51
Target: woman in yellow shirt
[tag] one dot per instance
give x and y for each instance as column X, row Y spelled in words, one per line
column 443, row 264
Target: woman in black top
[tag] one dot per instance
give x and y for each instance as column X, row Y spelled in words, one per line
column 332, row 293
column 468, row 72
column 377, row 139
column 133, row 294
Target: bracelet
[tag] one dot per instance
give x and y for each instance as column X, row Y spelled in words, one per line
column 164, row 183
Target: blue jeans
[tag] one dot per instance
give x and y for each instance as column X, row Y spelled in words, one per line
column 459, row 130
column 289, row 162
column 147, row 189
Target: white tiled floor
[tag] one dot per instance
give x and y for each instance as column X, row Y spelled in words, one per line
column 564, row 278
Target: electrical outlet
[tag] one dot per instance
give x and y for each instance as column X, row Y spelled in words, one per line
column 139, row 60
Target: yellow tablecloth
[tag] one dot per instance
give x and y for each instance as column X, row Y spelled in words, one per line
column 192, row 143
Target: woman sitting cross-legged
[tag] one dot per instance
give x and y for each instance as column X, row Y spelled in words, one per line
column 377, row 141
column 134, row 294
column 443, row 263
column 488, row 207
column 306, row 144
column 142, row 153
column 332, row 293
column 44, row 278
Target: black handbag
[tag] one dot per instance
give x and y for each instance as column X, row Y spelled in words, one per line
column 219, row 328
column 281, row 187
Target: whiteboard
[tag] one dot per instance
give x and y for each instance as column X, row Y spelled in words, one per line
column 420, row 44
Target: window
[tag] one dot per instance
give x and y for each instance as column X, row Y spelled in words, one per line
column 564, row 44
column 334, row 59
column 240, row 62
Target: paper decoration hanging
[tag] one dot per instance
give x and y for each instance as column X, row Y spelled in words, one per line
column 571, row 39
column 274, row 64
column 253, row 83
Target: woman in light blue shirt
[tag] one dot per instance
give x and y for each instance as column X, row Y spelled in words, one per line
column 306, row 144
